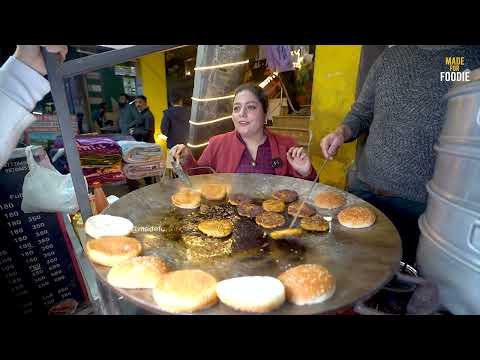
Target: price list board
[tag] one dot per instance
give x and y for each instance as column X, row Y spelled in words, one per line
column 38, row 267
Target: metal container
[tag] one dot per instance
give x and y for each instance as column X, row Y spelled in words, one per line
column 456, row 224
column 462, row 125
column 457, row 279
column 449, row 247
column 457, row 173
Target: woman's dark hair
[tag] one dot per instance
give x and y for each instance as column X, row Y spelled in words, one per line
column 257, row 91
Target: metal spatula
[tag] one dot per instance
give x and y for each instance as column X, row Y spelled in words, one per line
column 308, row 194
column 177, row 168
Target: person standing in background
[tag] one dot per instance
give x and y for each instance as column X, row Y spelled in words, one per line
column 143, row 128
column 128, row 114
column 279, row 59
column 175, row 122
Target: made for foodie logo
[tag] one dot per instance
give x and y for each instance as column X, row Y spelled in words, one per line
column 455, row 65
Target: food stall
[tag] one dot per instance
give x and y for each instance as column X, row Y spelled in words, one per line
column 362, row 261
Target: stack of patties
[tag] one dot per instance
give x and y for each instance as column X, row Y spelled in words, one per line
column 308, row 284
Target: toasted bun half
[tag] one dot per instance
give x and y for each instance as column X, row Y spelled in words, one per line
column 308, row 284
column 185, row 291
column 141, row 272
column 356, row 217
column 111, row 250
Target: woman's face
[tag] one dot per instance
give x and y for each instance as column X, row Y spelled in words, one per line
column 248, row 116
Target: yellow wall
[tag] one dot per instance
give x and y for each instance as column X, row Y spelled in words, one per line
column 151, row 69
column 333, row 93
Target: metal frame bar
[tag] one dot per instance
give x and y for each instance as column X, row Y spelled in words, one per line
column 57, row 74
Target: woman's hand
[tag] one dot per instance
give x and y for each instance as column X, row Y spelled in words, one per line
column 180, row 152
column 32, row 56
column 299, row 160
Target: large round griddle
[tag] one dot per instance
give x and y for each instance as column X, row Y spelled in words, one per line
column 362, row 260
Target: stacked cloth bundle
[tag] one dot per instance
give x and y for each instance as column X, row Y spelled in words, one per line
column 141, row 159
column 100, row 158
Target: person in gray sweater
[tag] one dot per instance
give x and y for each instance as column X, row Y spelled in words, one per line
column 401, row 108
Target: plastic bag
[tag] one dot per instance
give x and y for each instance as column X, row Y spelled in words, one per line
column 45, row 189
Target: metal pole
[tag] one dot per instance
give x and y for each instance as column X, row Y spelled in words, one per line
column 57, row 86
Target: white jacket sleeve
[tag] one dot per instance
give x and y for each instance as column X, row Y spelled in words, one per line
column 21, row 87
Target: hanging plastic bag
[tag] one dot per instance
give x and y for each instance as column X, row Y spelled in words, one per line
column 45, row 189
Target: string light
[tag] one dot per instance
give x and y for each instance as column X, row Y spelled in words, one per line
column 200, row 68
column 198, row 145
column 210, row 121
column 213, row 98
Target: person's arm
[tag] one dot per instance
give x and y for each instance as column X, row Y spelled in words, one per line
column 360, row 117
column 21, row 87
column 165, row 126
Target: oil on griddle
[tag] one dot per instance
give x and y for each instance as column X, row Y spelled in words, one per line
column 247, row 242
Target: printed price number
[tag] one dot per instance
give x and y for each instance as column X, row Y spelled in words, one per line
column 49, row 254
column 48, row 302
column 7, row 206
column 63, row 290
column 25, row 246
column 48, row 296
column 34, row 218
column 43, row 285
column 51, row 261
column 59, row 278
column 20, row 239
column 56, row 273
column 41, row 233
column 37, row 272
column 35, row 267
column 65, row 295
column 43, row 240
column 27, row 253
column 31, row 260
column 16, row 231
column 47, row 247
column 14, row 223
column 38, row 226
column 11, row 214
column 16, row 169
column 39, row 279
column 53, row 267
